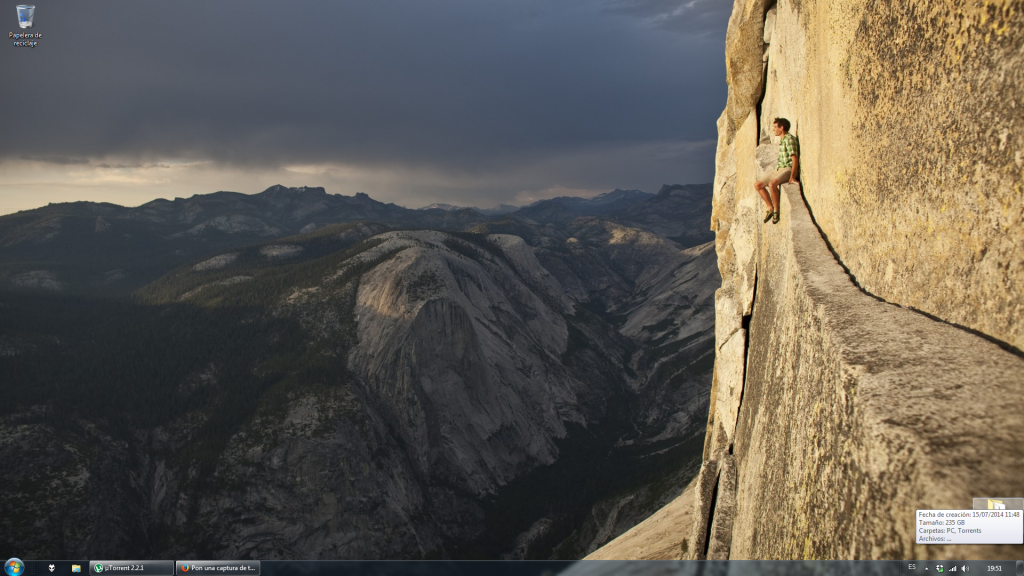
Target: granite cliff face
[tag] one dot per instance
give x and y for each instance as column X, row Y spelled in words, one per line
column 833, row 399
column 868, row 347
column 911, row 121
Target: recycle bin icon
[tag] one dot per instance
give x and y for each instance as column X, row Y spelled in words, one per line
column 25, row 14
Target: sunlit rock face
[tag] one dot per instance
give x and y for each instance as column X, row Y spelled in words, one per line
column 910, row 199
column 912, row 137
column 466, row 354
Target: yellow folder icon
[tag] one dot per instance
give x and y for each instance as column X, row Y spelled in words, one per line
column 996, row 505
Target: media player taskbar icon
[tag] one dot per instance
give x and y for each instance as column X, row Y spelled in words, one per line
column 25, row 14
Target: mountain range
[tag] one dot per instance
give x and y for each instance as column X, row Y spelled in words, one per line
column 499, row 209
column 106, row 248
column 294, row 374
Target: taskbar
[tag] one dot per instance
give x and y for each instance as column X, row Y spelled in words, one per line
column 511, row 567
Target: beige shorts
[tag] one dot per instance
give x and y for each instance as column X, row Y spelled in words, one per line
column 781, row 176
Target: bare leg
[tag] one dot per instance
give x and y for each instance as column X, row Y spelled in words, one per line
column 775, row 195
column 764, row 194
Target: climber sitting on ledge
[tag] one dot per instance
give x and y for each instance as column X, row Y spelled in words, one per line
column 787, row 169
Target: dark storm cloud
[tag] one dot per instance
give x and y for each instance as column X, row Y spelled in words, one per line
column 65, row 161
column 702, row 17
column 459, row 86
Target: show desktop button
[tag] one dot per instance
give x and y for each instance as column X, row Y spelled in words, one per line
column 217, row 567
column 131, row 567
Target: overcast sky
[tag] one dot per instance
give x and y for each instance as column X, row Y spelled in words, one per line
column 473, row 102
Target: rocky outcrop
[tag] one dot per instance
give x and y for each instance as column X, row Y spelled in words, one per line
column 216, row 263
column 38, row 279
column 86, row 503
column 856, row 385
column 280, row 251
column 460, row 350
column 662, row 536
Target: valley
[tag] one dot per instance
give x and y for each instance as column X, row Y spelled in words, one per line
column 296, row 374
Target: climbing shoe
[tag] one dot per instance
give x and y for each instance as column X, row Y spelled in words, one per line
column 768, row 216
column 775, row 218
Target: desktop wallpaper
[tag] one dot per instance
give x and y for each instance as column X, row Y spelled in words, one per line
column 512, row 280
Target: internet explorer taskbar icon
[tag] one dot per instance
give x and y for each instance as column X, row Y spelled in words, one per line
column 25, row 14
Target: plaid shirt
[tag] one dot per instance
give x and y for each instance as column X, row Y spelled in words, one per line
column 788, row 147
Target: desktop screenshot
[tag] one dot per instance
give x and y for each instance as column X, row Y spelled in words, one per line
column 514, row 287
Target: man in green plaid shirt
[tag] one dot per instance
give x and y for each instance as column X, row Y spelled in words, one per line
column 787, row 169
